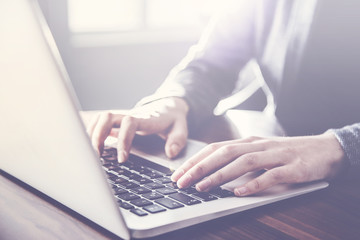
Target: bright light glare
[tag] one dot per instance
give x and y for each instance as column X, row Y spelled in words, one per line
column 104, row 15
column 123, row 15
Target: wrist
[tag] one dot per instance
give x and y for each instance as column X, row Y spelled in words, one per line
column 337, row 154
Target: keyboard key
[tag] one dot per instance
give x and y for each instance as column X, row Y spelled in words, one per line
column 154, row 185
column 144, row 181
column 111, row 168
column 154, row 208
column 128, row 196
column 118, row 180
column 126, row 205
column 107, row 164
column 110, row 158
column 184, row 198
column 141, row 169
column 128, row 164
column 171, row 204
column 141, row 202
column 108, row 153
column 172, row 185
column 140, row 190
column 118, row 191
column 139, row 212
column 204, row 196
column 221, row 193
column 129, row 185
column 149, row 165
column 128, row 174
column 111, row 175
column 152, row 195
column 166, row 191
column 189, row 190
column 133, row 176
column 121, row 172
column 153, row 175
column 164, row 180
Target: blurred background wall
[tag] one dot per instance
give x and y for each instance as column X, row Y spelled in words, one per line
column 118, row 51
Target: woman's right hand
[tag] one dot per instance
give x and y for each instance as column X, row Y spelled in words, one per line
column 165, row 117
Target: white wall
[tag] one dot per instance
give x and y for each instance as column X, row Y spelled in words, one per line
column 118, row 76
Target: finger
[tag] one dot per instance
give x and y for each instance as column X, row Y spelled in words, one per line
column 101, row 131
column 92, row 124
column 203, row 153
column 249, row 162
column 129, row 126
column 176, row 138
column 209, row 164
column 266, row 180
column 219, row 160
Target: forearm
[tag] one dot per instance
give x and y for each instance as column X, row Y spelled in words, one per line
column 202, row 85
column 210, row 70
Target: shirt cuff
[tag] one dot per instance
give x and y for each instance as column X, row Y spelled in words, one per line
column 349, row 139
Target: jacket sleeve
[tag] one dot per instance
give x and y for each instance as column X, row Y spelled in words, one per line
column 349, row 138
column 210, row 69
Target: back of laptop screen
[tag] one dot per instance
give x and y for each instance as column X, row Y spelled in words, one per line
column 43, row 142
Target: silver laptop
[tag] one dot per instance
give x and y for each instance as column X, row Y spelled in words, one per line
column 44, row 144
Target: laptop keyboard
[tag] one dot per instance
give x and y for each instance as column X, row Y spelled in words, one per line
column 144, row 187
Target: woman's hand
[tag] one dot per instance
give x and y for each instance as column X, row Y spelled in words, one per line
column 286, row 159
column 165, row 117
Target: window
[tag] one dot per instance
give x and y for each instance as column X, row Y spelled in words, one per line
column 90, row 16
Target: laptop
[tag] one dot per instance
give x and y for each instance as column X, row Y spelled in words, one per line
column 44, row 144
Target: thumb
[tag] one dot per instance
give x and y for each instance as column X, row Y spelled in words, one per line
column 176, row 139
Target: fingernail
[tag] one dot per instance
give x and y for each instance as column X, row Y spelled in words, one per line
column 240, row 191
column 177, row 174
column 174, row 150
column 122, row 156
column 184, row 181
column 203, row 185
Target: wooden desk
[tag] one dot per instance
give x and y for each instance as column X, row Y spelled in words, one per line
column 332, row 213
